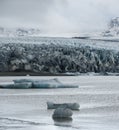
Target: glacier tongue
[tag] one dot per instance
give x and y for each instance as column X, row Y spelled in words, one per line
column 58, row 55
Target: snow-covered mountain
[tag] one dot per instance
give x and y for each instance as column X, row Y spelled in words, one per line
column 112, row 32
column 113, row 28
column 16, row 32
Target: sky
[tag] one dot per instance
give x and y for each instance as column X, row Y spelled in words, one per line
column 60, row 17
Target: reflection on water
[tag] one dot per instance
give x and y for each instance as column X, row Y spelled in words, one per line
column 67, row 122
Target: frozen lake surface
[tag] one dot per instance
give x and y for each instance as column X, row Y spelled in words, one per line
column 98, row 97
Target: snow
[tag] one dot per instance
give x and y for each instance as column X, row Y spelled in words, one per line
column 19, row 32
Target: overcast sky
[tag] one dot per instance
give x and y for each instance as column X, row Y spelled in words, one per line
column 59, row 16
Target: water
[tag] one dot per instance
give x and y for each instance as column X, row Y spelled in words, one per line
column 26, row 109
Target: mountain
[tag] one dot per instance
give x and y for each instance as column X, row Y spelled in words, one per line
column 19, row 32
column 113, row 28
column 111, row 33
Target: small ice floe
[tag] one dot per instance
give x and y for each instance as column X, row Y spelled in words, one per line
column 72, row 106
column 41, row 84
column 63, row 112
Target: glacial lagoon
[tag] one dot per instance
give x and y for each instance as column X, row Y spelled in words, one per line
column 98, row 97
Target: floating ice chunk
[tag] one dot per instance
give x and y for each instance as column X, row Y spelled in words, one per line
column 72, row 106
column 40, row 85
column 8, row 85
column 23, row 85
column 22, row 80
column 16, row 85
column 30, row 83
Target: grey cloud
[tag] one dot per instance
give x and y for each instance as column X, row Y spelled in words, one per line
column 25, row 11
column 59, row 16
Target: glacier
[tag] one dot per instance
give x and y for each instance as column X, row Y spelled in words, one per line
column 58, row 55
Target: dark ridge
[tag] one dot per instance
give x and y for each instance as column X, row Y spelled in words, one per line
column 80, row 37
column 31, row 74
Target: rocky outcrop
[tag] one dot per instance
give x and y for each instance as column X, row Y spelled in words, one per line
column 57, row 58
column 113, row 28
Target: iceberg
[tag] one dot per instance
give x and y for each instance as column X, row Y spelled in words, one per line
column 51, row 83
column 7, row 85
column 72, row 106
column 22, row 80
column 16, row 85
column 40, row 84
column 22, row 85
column 62, row 113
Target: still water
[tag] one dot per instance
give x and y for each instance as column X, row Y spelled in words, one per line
column 98, row 97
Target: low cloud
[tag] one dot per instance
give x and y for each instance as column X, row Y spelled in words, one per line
column 58, row 16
